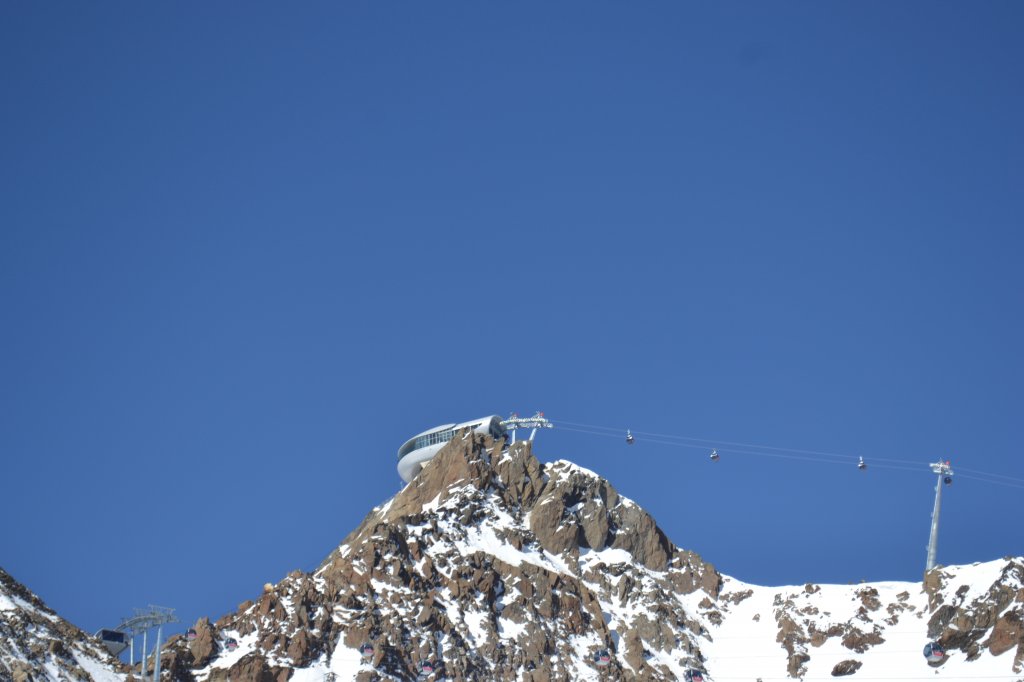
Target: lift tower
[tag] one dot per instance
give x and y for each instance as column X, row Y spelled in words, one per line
column 945, row 474
column 533, row 423
column 141, row 623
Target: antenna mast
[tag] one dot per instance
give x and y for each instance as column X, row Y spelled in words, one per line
column 945, row 476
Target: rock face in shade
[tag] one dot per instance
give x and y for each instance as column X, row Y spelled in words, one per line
column 493, row 566
column 37, row 645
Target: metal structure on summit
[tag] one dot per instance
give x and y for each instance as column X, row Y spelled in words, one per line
column 945, row 477
column 533, row 423
column 141, row 623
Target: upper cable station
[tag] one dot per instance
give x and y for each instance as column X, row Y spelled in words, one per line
column 422, row 447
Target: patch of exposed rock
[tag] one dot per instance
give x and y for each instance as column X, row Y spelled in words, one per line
column 847, row 667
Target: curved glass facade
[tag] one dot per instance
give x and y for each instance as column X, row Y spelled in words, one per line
column 427, row 439
column 495, row 429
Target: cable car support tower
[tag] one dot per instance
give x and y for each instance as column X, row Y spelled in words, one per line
column 141, row 623
column 945, row 477
column 533, row 423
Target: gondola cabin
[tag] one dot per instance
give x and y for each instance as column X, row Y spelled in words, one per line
column 231, row 644
column 602, row 658
column 934, row 652
column 366, row 650
column 191, row 634
column 694, row 675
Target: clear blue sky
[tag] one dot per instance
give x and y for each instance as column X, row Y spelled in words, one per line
column 247, row 250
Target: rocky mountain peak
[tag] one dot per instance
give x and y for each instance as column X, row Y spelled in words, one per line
column 568, row 508
column 37, row 644
column 493, row 566
column 490, row 565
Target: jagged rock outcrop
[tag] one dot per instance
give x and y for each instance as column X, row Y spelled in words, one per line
column 38, row 645
column 493, row 566
column 980, row 615
column 847, row 667
column 489, row 565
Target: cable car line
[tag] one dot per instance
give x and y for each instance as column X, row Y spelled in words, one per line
column 985, row 473
column 732, row 451
column 822, row 453
column 703, row 447
column 817, row 456
column 725, row 450
column 985, row 480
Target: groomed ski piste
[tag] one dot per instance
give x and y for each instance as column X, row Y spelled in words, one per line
column 738, row 633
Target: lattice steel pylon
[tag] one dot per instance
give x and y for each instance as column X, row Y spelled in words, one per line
column 945, row 473
column 141, row 623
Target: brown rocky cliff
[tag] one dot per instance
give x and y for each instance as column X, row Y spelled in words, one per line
column 990, row 622
column 36, row 643
column 493, row 566
column 490, row 565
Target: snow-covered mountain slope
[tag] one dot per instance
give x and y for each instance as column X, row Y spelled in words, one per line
column 490, row 566
column 873, row 631
column 36, row 645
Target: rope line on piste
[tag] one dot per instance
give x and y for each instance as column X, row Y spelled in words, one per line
column 758, row 450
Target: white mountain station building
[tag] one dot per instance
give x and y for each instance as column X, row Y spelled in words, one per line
column 423, row 446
